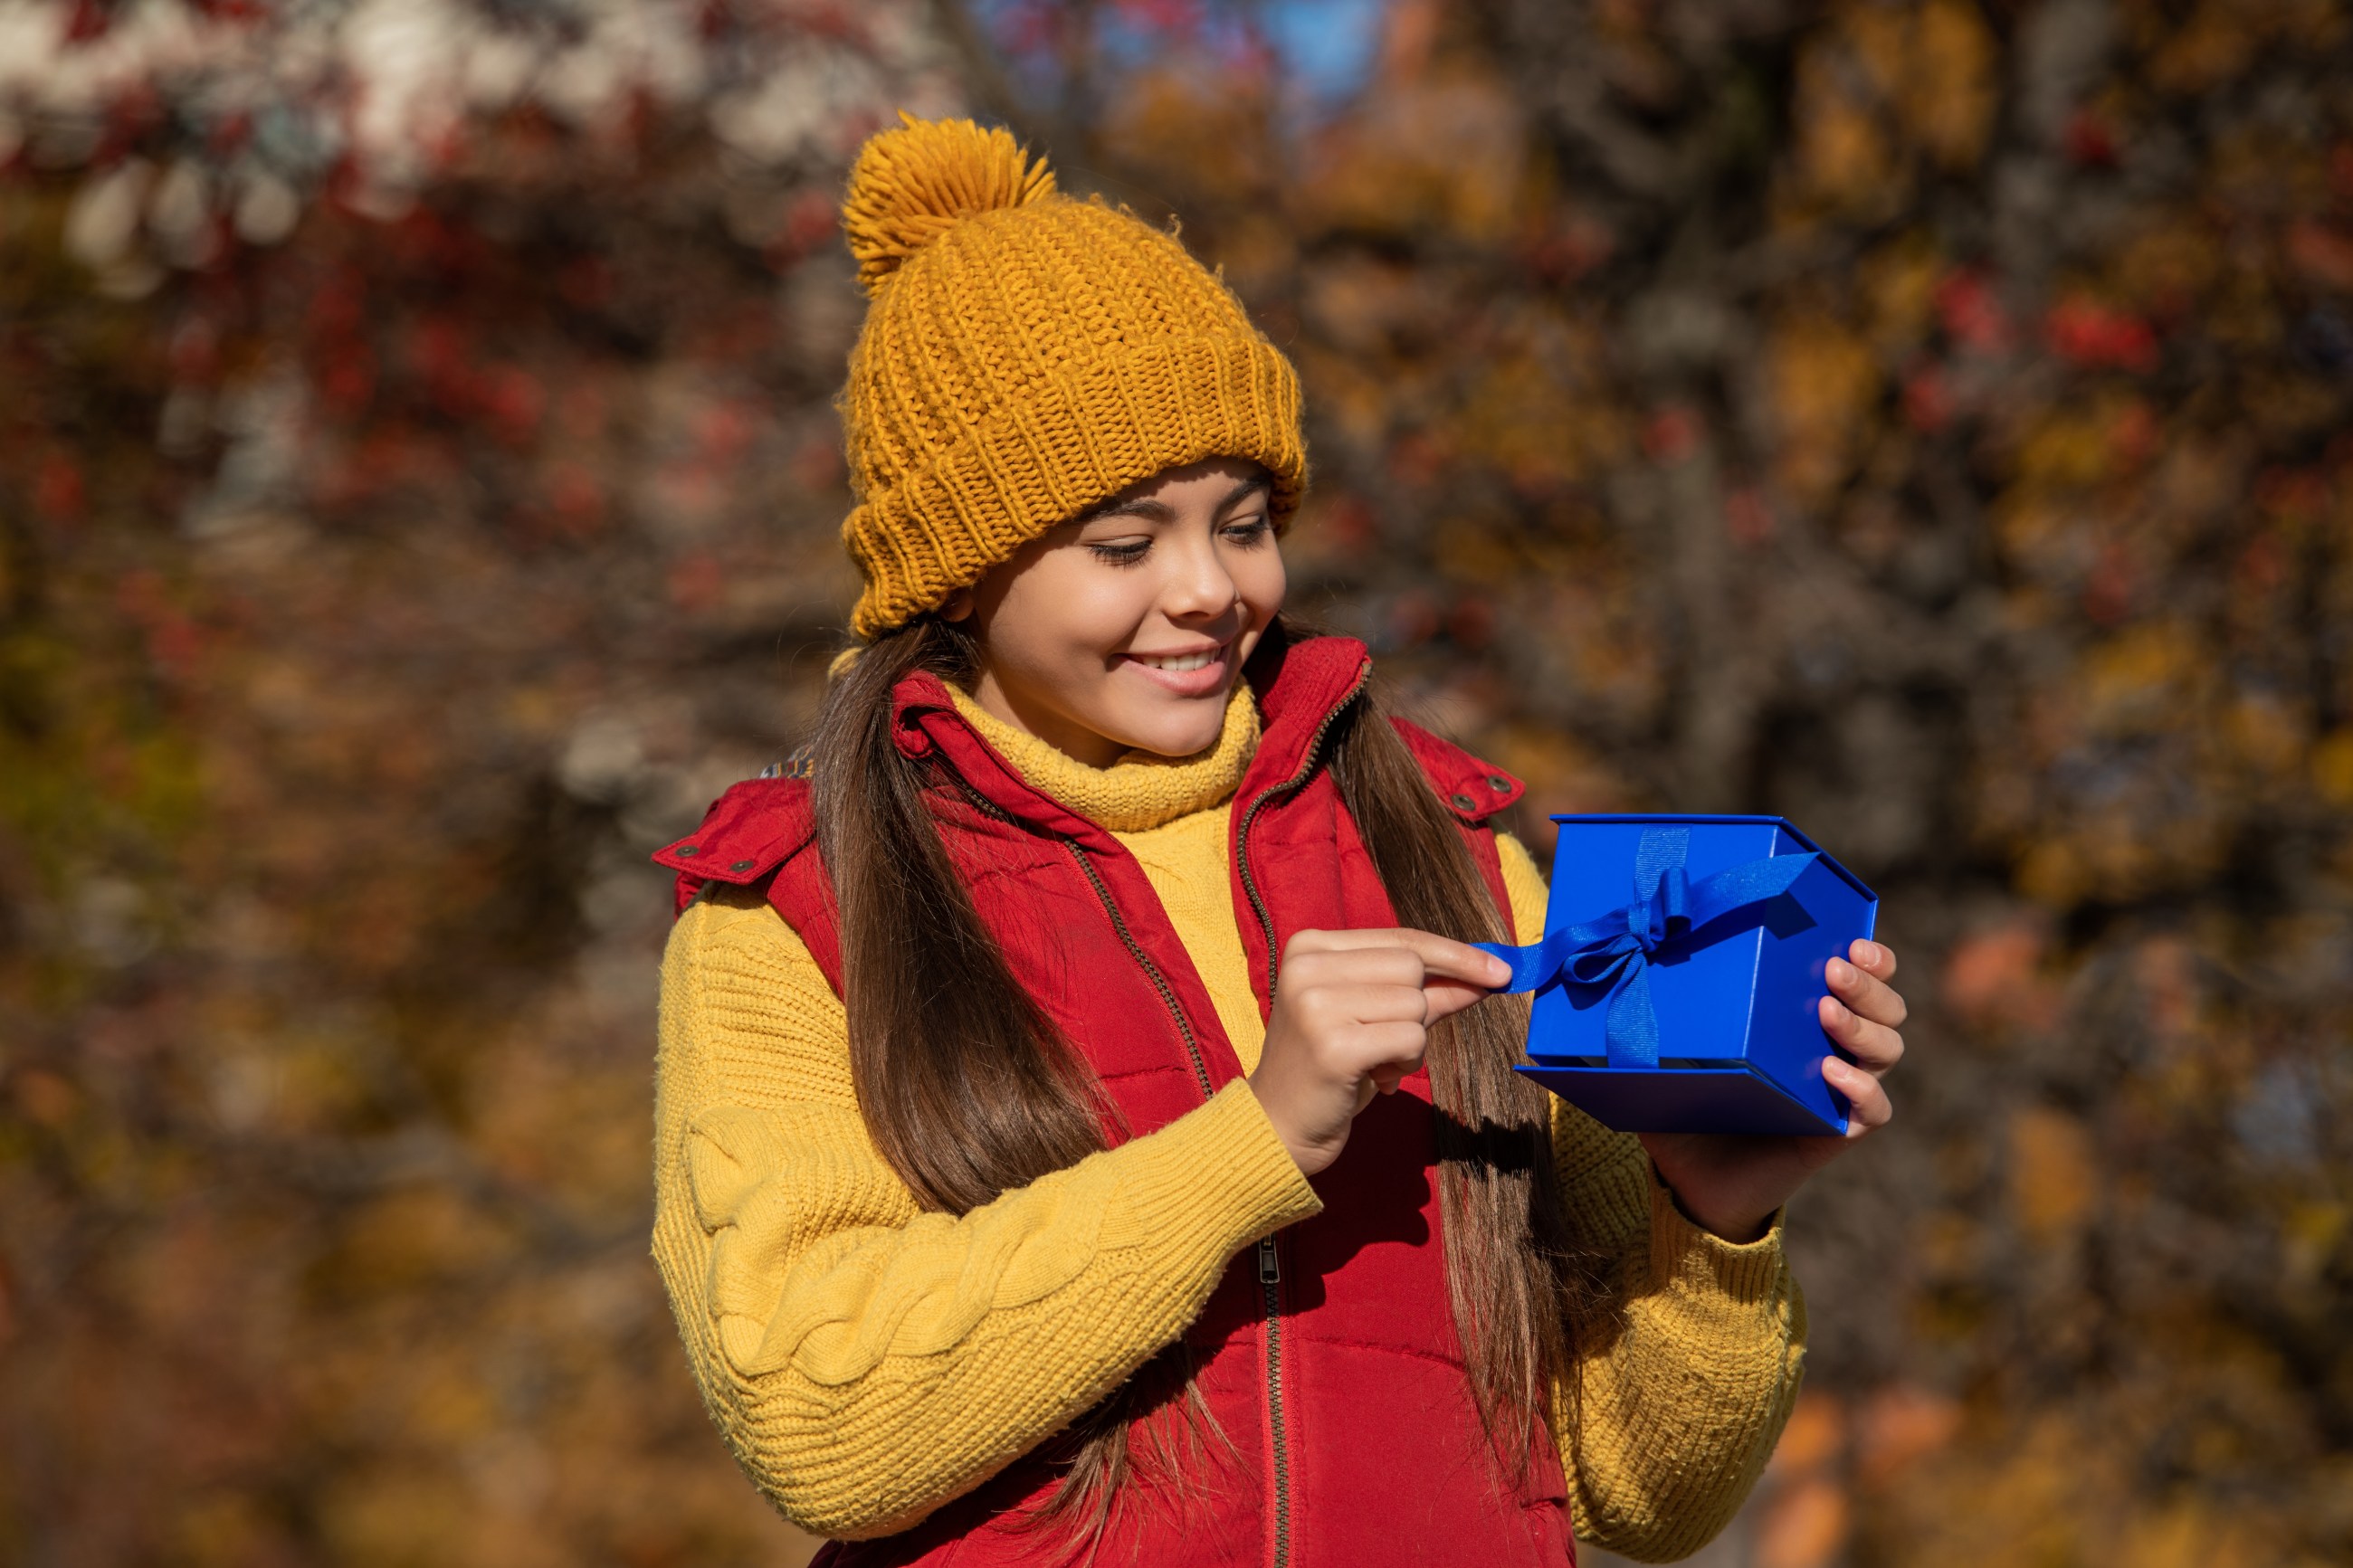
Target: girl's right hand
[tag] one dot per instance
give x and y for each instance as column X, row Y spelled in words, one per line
column 1351, row 1017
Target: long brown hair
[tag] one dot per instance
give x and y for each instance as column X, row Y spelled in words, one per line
column 968, row 1090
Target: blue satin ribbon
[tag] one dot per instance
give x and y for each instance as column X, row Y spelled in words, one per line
column 1618, row 948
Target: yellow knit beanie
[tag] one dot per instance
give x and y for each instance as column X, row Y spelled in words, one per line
column 1025, row 356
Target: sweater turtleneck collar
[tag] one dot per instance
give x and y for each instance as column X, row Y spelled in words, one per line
column 1140, row 790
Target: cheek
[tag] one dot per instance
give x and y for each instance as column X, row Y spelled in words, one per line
column 1068, row 611
column 1262, row 580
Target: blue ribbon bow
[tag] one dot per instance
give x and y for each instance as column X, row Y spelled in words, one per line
column 1618, row 948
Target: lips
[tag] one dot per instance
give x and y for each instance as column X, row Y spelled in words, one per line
column 1188, row 672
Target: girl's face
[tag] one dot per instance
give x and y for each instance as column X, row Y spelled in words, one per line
column 1127, row 628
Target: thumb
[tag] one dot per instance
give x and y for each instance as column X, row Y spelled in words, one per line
column 1447, row 998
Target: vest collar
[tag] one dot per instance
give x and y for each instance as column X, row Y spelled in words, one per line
column 1300, row 687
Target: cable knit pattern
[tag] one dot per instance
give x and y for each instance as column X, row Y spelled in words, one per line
column 867, row 1362
column 1025, row 356
column 1143, row 789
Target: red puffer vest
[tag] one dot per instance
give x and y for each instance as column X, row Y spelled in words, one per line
column 1327, row 1354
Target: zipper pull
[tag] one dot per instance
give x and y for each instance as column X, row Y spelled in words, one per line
column 1270, row 1263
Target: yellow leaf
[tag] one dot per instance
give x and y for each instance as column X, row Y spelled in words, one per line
column 2053, row 1179
column 1950, row 89
column 1814, row 1437
column 1805, row 1526
column 2332, row 767
column 1824, row 380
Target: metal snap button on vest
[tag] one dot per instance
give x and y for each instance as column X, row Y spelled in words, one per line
column 1498, row 783
column 687, row 849
column 1463, row 802
column 742, row 865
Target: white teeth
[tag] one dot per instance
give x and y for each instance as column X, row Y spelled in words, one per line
column 1177, row 661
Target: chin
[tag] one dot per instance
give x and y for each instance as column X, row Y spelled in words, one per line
column 1180, row 735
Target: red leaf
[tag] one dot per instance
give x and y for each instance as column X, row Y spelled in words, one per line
column 59, row 493
column 1927, row 399
column 1746, row 517
column 2083, row 332
column 1970, row 314
column 2090, row 141
column 90, row 19
column 1670, row 435
column 2322, row 254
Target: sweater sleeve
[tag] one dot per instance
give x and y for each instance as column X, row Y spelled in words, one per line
column 1682, row 1388
column 865, row 1361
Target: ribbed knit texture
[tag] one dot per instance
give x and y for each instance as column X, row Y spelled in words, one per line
column 1143, row 789
column 1025, row 356
column 867, row 1362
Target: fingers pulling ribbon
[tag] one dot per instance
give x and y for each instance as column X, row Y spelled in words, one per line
column 1617, row 949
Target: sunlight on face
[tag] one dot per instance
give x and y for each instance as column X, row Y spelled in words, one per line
column 1127, row 628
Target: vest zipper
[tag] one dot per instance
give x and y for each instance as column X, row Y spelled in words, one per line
column 1151, row 970
column 1119, row 924
column 1270, row 1257
column 1270, row 1284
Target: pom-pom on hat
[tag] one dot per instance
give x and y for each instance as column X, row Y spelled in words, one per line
column 1025, row 356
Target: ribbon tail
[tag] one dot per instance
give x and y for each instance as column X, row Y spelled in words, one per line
column 1751, row 882
column 1633, row 1025
column 1533, row 967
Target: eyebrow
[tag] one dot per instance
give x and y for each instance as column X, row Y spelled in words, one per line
column 1161, row 511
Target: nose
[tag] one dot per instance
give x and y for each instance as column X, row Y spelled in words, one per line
column 1198, row 586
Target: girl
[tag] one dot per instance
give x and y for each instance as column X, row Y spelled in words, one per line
column 1081, row 1130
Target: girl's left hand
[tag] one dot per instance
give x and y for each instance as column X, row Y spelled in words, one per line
column 1731, row 1184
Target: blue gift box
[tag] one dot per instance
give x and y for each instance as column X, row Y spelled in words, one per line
column 1680, row 977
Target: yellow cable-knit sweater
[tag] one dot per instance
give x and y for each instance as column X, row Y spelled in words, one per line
column 867, row 1362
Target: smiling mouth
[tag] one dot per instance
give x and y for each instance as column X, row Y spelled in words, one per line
column 1200, row 659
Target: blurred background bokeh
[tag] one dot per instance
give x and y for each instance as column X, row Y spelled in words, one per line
column 420, row 494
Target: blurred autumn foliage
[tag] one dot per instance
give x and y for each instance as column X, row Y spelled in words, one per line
column 419, row 494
